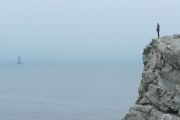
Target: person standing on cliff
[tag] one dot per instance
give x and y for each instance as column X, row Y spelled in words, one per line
column 158, row 29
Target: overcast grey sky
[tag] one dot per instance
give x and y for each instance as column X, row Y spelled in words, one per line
column 83, row 29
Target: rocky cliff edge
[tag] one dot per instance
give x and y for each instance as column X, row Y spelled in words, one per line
column 159, row 90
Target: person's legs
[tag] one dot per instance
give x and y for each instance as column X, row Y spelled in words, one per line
column 158, row 33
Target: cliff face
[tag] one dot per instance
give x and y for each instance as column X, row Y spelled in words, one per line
column 159, row 90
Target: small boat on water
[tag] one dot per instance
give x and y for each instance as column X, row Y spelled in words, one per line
column 19, row 60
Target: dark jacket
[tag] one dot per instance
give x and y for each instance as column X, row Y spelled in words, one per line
column 158, row 28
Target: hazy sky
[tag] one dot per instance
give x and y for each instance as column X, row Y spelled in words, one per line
column 83, row 29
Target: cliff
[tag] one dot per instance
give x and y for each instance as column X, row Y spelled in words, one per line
column 159, row 90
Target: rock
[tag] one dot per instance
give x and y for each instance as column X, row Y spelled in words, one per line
column 176, row 36
column 166, row 117
column 159, row 90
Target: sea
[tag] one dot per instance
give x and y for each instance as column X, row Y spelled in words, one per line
column 68, row 90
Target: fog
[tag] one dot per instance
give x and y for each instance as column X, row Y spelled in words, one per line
column 44, row 30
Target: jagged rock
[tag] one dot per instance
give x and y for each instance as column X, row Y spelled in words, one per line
column 176, row 36
column 159, row 90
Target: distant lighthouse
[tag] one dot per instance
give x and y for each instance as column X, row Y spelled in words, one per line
column 19, row 60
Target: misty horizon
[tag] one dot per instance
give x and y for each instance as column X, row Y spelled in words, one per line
column 83, row 30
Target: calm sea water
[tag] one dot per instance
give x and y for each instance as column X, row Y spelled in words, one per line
column 68, row 91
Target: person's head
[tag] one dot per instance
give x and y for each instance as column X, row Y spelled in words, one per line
column 157, row 23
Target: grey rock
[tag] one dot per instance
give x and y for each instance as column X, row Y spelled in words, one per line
column 177, row 99
column 143, row 108
column 165, row 83
column 166, row 117
column 176, row 36
column 159, row 90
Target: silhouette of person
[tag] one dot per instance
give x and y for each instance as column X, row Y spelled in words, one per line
column 158, row 29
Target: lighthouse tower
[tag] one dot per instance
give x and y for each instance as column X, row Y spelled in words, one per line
column 19, row 60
